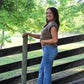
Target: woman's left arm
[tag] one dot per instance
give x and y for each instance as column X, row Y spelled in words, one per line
column 54, row 34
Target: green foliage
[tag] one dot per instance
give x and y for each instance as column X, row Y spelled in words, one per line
column 29, row 16
column 5, row 38
column 51, row 2
column 8, row 5
column 68, row 12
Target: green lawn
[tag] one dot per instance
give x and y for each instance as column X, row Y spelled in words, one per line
column 33, row 54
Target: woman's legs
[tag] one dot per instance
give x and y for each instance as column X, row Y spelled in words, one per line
column 41, row 73
column 46, row 65
column 47, row 72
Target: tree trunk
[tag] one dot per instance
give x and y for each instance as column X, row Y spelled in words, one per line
column 2, row 43
column 1, row 1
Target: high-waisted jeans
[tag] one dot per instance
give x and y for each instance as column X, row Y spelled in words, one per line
column 49, row 53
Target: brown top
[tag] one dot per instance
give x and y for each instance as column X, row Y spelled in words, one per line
column 46, row 34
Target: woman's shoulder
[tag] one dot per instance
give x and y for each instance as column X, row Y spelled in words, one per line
column 53, row 23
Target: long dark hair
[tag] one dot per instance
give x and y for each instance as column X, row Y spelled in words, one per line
column 56, row 15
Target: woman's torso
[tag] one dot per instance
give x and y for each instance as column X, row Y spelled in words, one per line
column 46, row 33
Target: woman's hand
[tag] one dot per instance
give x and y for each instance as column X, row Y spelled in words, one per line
column 42, row 43
column 25, row 34
column 32, row 35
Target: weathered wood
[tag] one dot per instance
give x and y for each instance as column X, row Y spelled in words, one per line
column 65, row 80
column 33, row 75
column 71, row 39
column 37, row 60
column 68, row 65
column 24, row 61
column 79, row 81
column 10, row 51
column 34, row 61
column 36, row 46
column 69, row 53
column 58, row 68
column 18, row 49
column 13, row 80
column 9, row 67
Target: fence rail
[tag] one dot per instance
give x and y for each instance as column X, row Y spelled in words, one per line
column 37, row 60
column 37, row 46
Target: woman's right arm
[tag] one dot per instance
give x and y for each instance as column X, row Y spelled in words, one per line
column 32, row 35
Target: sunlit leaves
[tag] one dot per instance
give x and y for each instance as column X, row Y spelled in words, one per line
column 5, row 38
column 68, row 10
column 29, row 15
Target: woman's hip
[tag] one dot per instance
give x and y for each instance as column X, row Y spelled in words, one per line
column 50, row 51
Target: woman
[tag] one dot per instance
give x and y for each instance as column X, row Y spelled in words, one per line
column 48, row 39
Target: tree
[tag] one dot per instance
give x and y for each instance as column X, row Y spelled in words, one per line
column 20, row 16
column 1, row 1
column 68, row 11
column 29, row 16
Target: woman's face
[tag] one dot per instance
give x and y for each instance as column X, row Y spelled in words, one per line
column 49, row 15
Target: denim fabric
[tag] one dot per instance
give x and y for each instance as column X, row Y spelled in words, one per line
column 49, row 53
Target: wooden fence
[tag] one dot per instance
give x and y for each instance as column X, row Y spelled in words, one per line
column 37, row 60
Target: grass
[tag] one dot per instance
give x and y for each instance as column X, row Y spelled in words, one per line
column 33, row 54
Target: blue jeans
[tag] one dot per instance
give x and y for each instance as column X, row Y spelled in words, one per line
column 49, row 53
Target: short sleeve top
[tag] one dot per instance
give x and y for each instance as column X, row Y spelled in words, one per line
column 46, row 34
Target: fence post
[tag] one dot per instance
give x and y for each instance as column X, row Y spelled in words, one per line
column 24, row 61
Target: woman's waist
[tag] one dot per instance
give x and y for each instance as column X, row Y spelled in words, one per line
column 45, row 38
column 51, row 44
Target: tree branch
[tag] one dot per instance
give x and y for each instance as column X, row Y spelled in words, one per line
column 1, row 2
